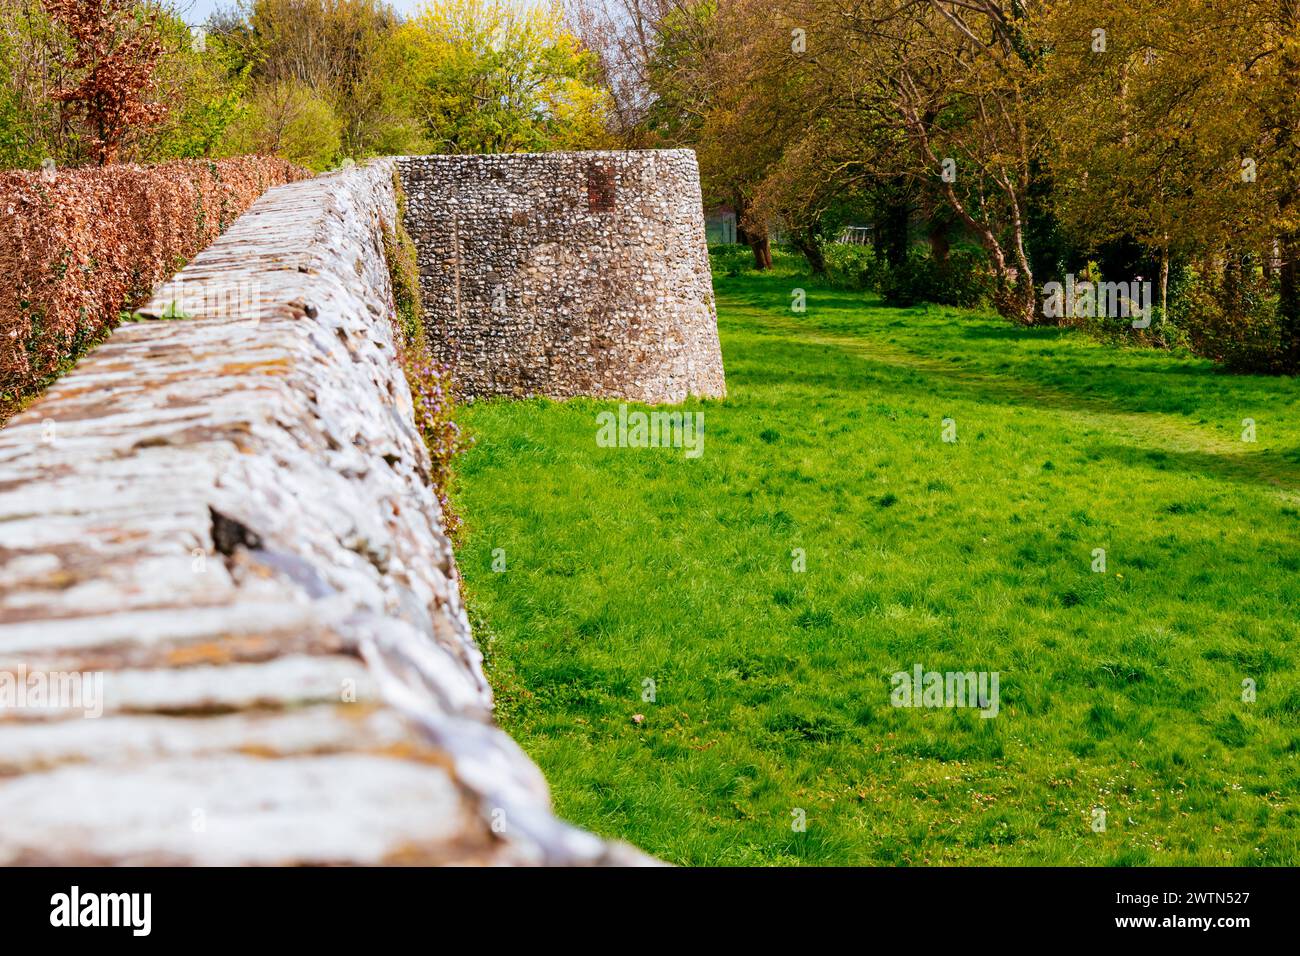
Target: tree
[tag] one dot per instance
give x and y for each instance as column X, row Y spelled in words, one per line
column 205, row 84
column 919, row 94
column 961, row 81
column 347, row 53
column 625, row 36
column 116, row 48
column 29, row 73
column 496, row 76
column 1268, row 34
column 1137, row 156
column 700, row 55
column 289, row 119
column 1184, row 126
column 666, row 63
column 803, row 153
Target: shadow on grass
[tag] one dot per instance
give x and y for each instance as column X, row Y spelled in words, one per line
column 803, row 365
column 1278, row 471
column 1119, row 374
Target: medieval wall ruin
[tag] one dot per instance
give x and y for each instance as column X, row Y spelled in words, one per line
column 217, row 531
column 565, row 274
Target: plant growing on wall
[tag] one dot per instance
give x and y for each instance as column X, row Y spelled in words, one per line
column 432, row 395
column 116, row 51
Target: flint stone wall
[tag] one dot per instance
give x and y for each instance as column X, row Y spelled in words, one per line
column 565, row 274
column 227, row 517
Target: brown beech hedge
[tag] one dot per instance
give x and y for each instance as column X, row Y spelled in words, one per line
column 80, row 246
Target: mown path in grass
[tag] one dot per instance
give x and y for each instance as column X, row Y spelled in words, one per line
column 636, row 573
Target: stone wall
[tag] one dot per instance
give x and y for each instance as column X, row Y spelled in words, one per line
column 566, row 274
column 225, row 517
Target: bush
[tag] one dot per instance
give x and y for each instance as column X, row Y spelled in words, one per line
column 734, row 259
column 1109, row 323
column 292, row 120
column 730, row 259
column 874, row 273
column 1239, row 330
column 79, row 246
column 850, row 266
column 963, row 280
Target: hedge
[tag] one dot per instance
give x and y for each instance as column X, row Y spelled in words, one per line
column 80, row 246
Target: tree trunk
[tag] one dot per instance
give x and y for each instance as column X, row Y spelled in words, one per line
column 1164, row 283
column 1232, row 279
column 1015, row 299
column 1026, row 295
column 807, row 243
column 756, row 238
column 939, row 244
column 890, row 228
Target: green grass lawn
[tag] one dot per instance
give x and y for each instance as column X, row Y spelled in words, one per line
column 1121, row 690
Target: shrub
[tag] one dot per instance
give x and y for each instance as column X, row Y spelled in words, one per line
column 735, row 259
column 1109, row 323
column 80, row 246
column 874, row 273
column 292, row 120
column 730, row 259
column 849, row 266
column 1240, row 330
column 962, row 280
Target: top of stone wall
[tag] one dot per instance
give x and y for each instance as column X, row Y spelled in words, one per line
column 558, row 155
column 225, row 518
